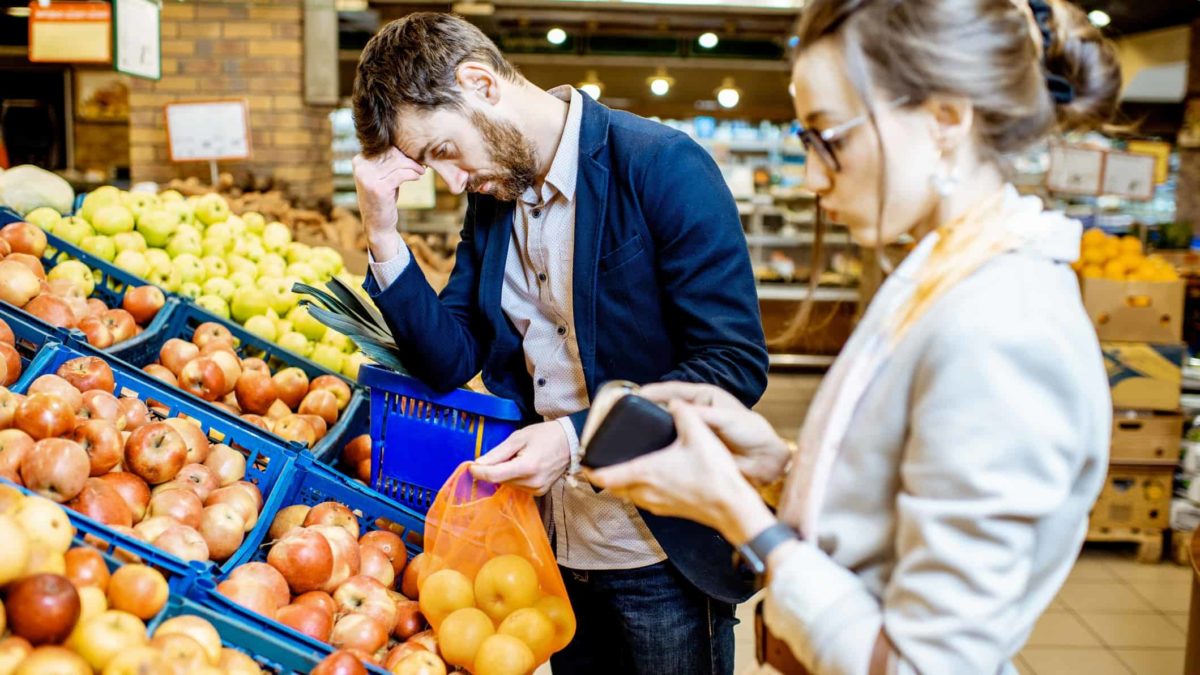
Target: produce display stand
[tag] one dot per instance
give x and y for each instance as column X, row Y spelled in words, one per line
column 266, row 459
column 418, row 436
column 307, row 481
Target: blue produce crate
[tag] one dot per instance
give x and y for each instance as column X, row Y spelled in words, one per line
column 30, row 333
column 419, row 437
column 182, row 324
column 266, row 459
column 310, row 482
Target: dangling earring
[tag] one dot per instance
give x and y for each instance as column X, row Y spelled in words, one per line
column 945, row 180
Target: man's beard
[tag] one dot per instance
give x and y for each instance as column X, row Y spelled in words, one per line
column 513, row 156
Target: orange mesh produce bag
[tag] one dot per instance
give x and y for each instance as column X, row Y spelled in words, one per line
column 484, row 532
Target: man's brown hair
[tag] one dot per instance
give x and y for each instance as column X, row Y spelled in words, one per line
column 412, row 63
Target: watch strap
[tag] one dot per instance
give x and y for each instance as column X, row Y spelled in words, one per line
column 757, row 550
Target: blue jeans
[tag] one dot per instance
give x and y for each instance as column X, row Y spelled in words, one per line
column 647, row 621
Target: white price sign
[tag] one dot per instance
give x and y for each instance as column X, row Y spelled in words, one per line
column 1130, row 175
column 138, row 38
column 1075, row 170
column 200, row 131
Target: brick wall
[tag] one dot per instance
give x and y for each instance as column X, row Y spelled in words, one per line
column 101, row 146
column 223, row 49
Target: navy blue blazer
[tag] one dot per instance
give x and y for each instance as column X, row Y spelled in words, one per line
column 663, row 290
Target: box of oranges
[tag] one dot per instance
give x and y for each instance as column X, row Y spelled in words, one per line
column 1130, row 296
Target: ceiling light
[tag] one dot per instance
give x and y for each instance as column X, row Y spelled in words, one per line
column 18, row 12
column 591, row 85
column 728, row 95
column 1099, row 18
column 556, row 36
column 708, row 40
column 660, row 83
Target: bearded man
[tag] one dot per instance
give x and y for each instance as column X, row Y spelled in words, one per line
column 597, row 246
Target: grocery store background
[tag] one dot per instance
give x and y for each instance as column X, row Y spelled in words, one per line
column 715, row 70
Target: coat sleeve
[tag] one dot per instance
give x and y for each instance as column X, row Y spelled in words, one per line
column 440, row 338
column 704, row 272
column 998, row 438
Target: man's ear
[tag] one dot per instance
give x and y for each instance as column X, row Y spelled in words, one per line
column 478, row 81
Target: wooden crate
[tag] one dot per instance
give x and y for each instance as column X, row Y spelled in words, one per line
column 1140, row 436
column 1150, row 542
column 1134, row 499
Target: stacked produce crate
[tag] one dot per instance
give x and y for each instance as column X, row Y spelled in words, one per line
column 1137, row 310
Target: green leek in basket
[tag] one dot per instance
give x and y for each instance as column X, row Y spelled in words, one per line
column 343, row 310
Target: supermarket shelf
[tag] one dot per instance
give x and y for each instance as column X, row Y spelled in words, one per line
column 800, row 293
column 799, row 239
column 801, row 360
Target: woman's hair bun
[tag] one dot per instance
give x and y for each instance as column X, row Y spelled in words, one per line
column 1079, row 53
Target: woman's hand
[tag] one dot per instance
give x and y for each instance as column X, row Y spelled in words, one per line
column 761, row 456
column 695, row 478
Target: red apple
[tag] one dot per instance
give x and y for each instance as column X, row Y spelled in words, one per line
column 155, row 452
column 257, row 421
column 6, row 334
column 96, row 331
column 365, row 595
column 12, row 363
column 199, row 479
column 183, row 542
column 304, row 558
column 133, row 491
column 223, row 530
column 42, row 608
column 101, row 405
column 45, row 416
column 249, row 595
column 87, row 373
column 252, row 490
column 25, row 238
column 101, row 502
column 295, row 428
column 231, row 368
column 357, row 450
column 255, row 391
column 278, row 410
column 53, row 310
column 102, row 441
column 10, row 403
column 240, row 500
column 58, row 386
column 267, row 577
column 120, row 323
column 176, row 354
column 345, row 554
column 14, row 445
column 336, row 386
column 390, row 544
column 135, row 413
column 289, row 518
column 140, row 590
column 143, row 303
column 412, row 573
column 193, row 437
column 318, row 425
column 409, row 620
column 209, row 331
column 56, row 469
column 32, row 263
column 86, row 567
column 374, row 563
column 318, row 599
column 181, row 504
column 307, row 620
column 291, row 385
column 218, row 346
column 333, row 513
column 162, row 373
column 150, row 528
column 359, row 631
column 340, row 662
column 95, row 308
column 202, row 377
column 228, row 464
column 256, row 364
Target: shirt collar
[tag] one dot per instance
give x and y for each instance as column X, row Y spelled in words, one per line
column 564, row 169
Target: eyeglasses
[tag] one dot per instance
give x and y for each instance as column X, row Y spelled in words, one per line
column 823, row 144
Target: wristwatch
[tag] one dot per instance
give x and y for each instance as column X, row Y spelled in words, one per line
column 754, row 553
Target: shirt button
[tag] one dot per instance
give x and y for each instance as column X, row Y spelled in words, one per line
column 542, row 276
column 537, row 213
column 562, row 330
column 541, row 381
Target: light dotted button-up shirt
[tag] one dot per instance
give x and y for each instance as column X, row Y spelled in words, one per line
column 593, row 530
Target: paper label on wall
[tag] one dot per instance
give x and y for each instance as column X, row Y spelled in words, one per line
column 208, row 130
column 1129, row 175
column 138, row 38
column 1075, row 170
column 70, row 32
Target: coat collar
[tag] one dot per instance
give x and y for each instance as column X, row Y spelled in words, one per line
column 593, row 132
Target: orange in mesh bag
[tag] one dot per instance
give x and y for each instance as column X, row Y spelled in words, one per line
column 490, row 586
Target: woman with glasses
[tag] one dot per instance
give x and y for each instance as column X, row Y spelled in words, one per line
column 940, row 490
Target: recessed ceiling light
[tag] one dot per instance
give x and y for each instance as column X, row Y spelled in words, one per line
column 1099, row 18
column 556, row 36
column 708, row 40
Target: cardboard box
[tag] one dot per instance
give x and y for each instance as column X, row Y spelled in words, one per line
column 1146, row 436
column 1145, row 376
column 1134, row 498
column 1135, row 311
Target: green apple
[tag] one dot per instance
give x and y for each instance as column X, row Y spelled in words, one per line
column 129, row 241
column 328, row 356
column 239, row 264
column 276, row 237
column 166, row 279
column 248, row 301
column 191, row 270
column 353, row 363
column 212, row 208
column 330, row 256
column 241, row 280
column 100, row 197
column 297, row 252
column 222, row 230
column 189, row 230
column 305, row 323
column 214, row 304
column 254, row 222
column 171, row 197
column 283, row 326
column 181, row 244
column 157, row 226
column 159, row 260
column 304, row 271
column 73, row 229
column 133, row 262
column 76, row 272
column 272, row 265
column 279, row 291
column 220, row 287
column 255, row 250
column 181, row 211
column 44, row 217
column 139, row 202
column 213, row 247
column 295, row 342
column 190, row 289
column 100, row 246
column 262, row 326
column 336, row 339
column 237, row 226
column 113, row 219
column 215, row 266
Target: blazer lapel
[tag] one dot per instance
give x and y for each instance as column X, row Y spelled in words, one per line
column 591, row 200
column 499, row 224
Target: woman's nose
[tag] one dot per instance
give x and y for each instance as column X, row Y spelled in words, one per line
column 816, row 175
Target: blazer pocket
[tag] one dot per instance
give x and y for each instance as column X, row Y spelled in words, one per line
column 622, row 254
